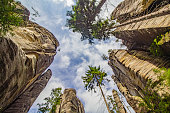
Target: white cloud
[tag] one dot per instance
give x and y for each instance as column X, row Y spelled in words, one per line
column 65, row 62
column 69, row 2
column 75, row 55
column 66, row 2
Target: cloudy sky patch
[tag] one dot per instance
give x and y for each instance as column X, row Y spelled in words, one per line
column 75, row 56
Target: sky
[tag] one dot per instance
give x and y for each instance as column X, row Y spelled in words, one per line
column 74, row 57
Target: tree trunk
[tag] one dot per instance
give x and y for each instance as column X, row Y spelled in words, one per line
column 103, row 96
column 98, row 8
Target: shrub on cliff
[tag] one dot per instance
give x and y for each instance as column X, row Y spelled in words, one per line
column 153, row 102
column 8, row 16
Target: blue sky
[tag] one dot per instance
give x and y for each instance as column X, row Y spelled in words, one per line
column 72, row 60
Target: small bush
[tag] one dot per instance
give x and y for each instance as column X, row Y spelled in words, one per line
column 8, row 16
column 153, row 102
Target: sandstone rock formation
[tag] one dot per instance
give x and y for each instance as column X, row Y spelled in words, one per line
column 24, row 101
column 70, row 103
column 24, row 56
column 132, row 70
column 141, row 21
column 119, row 103
column 138, row 27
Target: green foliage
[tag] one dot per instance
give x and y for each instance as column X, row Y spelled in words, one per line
column 112, row 104
column 8, row 16
column 94, row 76
column 152, row 101
column 155, row 47
column 109, row 51
column 101, row 29
column 82, row 20
column 164, row 75
column 51, row 102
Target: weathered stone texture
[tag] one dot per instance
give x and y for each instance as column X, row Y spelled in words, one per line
column 24, row 56
column 141, row 21
column 25, row 100
column 133, row 68
column 139, row 33
column 119, row 103
column 24, row 12
column 70, row 103
column 133, row 101
column 139, row 30
column 129, row 9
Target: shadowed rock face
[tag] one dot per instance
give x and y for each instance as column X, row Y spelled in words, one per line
column 24, row 101
column 130, row 9
column 70, row 103
column 139, row 27
column 24, row 56
column 132, row 69
column 141, row 21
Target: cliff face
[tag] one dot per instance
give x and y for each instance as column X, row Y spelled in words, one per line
column 24, row 101
column 132, row 70
column 24, row 56
column 70, row 103
column 141, row 22
column 119, row 103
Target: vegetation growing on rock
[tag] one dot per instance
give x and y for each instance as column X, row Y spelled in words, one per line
column 152, row 101
column 155, row 47
column 9, row 16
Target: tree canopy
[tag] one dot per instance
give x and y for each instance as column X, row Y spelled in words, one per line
column 51, row 102
column 94, row 76
column 82, row 19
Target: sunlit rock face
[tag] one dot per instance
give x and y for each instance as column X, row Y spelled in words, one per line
column 132, row 69
column 25, row 54
column 141, row 22
column 70, row 103
column 118, row 102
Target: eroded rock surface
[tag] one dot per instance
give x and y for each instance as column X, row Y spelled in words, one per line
column 137, row 30
column 70, row 103
column 24, row 56
column 119, row 103
column 141, row 22
column 25, row 100
column 132, row 69
column 129, row 9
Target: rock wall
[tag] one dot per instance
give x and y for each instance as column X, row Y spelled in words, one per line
column 139, row 30
column 24, row 55
column 24, row 101
column 129, row 9
column 141, row 21
column 132, row 69
column 118, row 101
column 70, row 103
